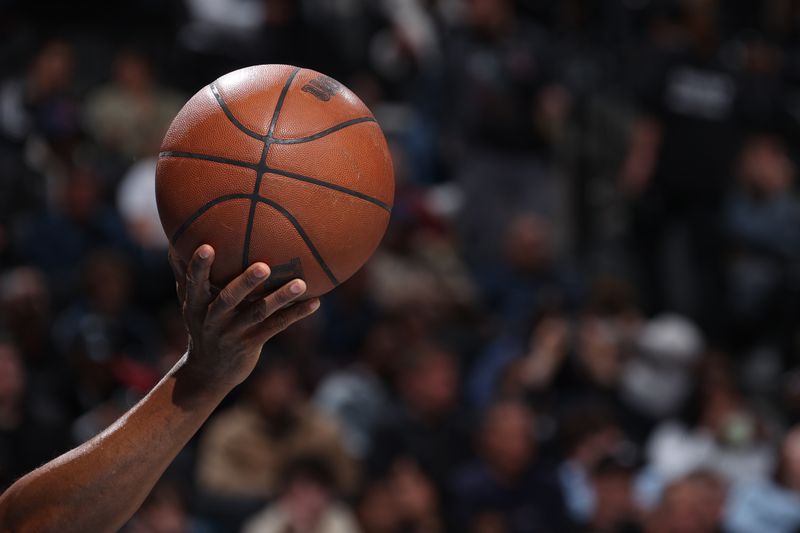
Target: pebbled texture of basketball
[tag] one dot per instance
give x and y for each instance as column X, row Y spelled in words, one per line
column 278, row 164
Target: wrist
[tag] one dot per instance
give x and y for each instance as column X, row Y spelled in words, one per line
column 196, row 384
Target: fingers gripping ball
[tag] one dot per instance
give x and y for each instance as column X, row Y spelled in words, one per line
column 277, row 164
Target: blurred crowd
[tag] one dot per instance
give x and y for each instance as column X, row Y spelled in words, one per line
column 584, row 315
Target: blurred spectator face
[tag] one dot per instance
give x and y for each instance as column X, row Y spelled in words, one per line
column 12, row 376
column 26, row 307
column 700, row 25
column 764, row 168
column 380, row 350
column 691, row 505
column 599, row 350
column 108, row 283
column 305, row 501
column 725, row 413
column 413, row 492
column 276, row 390
column 528, row 243
column 724, row 410
column 163, row 512
column 280, row 12
column 80, row 195
column 489, row 16
column 507, row 438
column 615, row 505
column 430, row 385
column 133, row 73
column 52, row 69
column 607, row 332
column 789, row 473
column 376, row 510
column 489, row 522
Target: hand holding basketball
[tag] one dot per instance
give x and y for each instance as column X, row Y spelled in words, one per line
column 277, row 164
column 226, row 332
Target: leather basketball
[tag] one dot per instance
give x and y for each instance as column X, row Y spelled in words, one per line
column 278, row 164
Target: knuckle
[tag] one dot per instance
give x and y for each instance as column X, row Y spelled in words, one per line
column 282, row 322
column 192, row 277
column 283, row 296
column 260, row 312
column 226, row 297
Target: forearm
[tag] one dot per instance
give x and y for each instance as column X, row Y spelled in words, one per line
column 99, row 485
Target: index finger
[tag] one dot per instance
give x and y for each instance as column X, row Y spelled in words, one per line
column 179, row 270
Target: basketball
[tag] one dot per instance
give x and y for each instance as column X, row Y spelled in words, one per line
column 278, row 164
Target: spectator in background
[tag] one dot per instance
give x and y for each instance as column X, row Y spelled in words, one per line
column 528, row 278
column 403, row 500
column 164, row 511
column 691, row 504
column 507, row 482
column 245, row 447
column 593, row 444
column 41, row 105
column 375, row 508
column 26, row 440
column 762, row 225
column 418, row 264
column 725, row 436
column 427, row 425
column 357, row 397
column 772, row 504
column 26, row 311
column 527, row 286
column 565, row 363
column 616, row 509
column 678, row 168
column 130, row 115
column 601, row 343
column 307, row 503
column 58, row 240
column 109, row 345
column 34, row 109
column 504, row 105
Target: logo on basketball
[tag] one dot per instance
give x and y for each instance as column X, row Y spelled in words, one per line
column 283, row 273
column 322, row 87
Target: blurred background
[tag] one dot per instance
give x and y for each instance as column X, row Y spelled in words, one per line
column 584, row 316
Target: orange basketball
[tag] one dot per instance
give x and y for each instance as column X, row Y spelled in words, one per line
column 278, row 164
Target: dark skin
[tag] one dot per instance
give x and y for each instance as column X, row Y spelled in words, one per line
column 100, row 484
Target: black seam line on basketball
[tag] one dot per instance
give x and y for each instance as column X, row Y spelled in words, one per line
column 248, row 230
column 211, row 158
column 280, row 172
column 303, row 235
column 332, row 186
column 231, row 117
column 279, row 104
column 259, row 199
column 197, row 214
column 267, row 139
column 324, row 133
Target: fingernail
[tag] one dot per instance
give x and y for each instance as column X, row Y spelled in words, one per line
column 204, row 252
column 314, row 305
column 296, row 287
column 260, row 272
